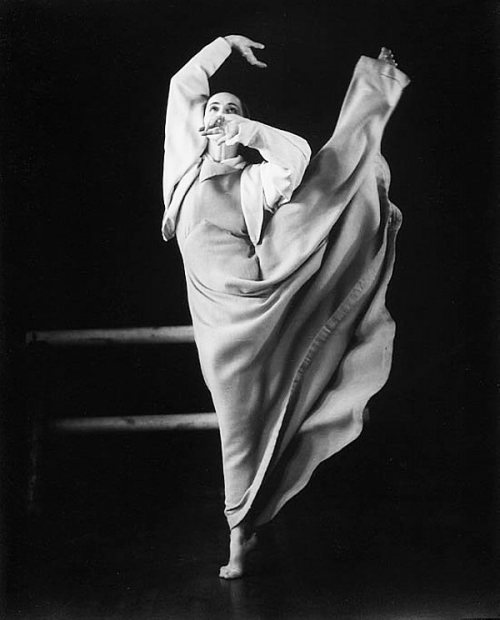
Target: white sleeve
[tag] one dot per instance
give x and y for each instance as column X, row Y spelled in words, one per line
column 286, row 157
column 188, row 93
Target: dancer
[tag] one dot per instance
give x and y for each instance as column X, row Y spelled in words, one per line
column 287, row 264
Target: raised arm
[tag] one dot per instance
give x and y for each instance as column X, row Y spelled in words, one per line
column 188, row 94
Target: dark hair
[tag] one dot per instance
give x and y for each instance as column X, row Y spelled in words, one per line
column 244, row 108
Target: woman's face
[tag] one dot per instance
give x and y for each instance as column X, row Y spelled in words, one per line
column 220, row 104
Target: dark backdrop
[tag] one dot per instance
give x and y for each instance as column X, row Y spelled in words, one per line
column 86, row 86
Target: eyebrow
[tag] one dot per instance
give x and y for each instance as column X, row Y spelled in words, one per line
column 230, row 103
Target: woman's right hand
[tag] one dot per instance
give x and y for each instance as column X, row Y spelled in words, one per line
column 244, row 46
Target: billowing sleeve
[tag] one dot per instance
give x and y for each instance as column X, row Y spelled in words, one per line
column 188, row 94
column 285, row 155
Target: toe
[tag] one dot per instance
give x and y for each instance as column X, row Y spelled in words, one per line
column 227, row 572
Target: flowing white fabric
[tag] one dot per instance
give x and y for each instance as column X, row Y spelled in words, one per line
column 292, row 332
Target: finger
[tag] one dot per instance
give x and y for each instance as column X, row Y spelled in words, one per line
column 250, row 57
column 212, row 132
column 258, row 63
column 248, row 54
column 259, row 46
column 233, row 140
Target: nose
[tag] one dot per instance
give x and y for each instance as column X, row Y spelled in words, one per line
column 218, row 121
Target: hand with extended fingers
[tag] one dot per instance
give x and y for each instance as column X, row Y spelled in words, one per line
column 227, row 127
column 244, row 46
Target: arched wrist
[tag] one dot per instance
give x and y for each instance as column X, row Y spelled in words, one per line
column 230, row 40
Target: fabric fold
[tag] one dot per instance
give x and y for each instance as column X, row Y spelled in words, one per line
column 293, row 334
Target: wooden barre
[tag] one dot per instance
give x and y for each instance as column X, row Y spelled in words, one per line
column 125, row 336
column 174, row 422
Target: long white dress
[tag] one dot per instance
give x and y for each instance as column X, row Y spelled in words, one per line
column 288, row 309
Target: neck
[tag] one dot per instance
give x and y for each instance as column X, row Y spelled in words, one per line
column 220, row 152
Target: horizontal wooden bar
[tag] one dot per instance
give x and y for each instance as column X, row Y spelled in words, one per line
column 174, row 422
column 95, row 337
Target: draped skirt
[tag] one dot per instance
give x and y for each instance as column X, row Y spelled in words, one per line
column 293, row 334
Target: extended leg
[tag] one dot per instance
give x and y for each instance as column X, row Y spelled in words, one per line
column 335, row 175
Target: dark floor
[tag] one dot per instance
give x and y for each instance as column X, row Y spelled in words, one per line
column 132, row 527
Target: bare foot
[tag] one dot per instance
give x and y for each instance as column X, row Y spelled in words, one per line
column 239, row 547
column 387, row 56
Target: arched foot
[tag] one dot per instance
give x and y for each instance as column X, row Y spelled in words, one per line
column 239, row 549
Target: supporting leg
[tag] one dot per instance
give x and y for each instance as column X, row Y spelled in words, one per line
column 242, row 541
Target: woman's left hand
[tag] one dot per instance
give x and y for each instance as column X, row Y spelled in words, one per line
column 231, row 128
column 228, row 126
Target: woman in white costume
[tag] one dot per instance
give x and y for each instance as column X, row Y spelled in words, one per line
column 287, row 264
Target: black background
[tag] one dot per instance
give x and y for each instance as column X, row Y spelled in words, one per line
column 85, row 87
